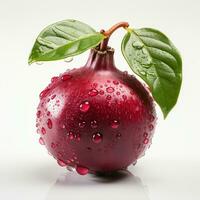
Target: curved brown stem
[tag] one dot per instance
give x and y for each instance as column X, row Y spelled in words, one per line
column 104, row 43
column 109, row 32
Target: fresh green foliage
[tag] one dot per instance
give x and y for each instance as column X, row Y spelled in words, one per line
column 153, row 57
column 149, row 53
column 64, row 39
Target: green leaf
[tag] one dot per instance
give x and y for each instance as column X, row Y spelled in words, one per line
column 153, row 57
column 64, row 39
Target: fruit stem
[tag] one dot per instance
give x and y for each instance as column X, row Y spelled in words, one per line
column 104, row 43
column 109, row 32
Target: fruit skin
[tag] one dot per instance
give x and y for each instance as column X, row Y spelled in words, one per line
column 96, row 116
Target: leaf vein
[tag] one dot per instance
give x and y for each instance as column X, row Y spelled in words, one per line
column 66, row 36
column 145, row 36
column 162, row 51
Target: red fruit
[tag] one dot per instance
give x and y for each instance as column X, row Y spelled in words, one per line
column 96, row 118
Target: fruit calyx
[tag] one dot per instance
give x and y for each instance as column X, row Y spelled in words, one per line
column 101, row 60
column 102, row 57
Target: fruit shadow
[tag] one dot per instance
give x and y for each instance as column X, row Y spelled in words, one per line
column 119, row 185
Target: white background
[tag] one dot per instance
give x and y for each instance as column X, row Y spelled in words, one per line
column 170, row 170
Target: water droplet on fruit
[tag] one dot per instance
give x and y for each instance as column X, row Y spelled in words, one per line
column 108, row 97
column 38, row 113
column 151, row 127
column 53, row 96
column 115, row 124
column 137, row 45
column 43, row 93
column 145, row 134
column 54, row 79
column 97, row 138
column 68, row 161
column 94, row 85
column 61, row 163
column 75, row 158
column 41, row 141
column 59, row 155
column 93, row 124
column 151, row 118
column 70, row 168
column 82, row 124
column 115, row 82
column 70, row 135
column 118, row 93
column 85, row 106
column 101, row 92
column 93, row 92
column 63, row 126
column 48, row 113
column 110, row 89
column 118, row 136
column 78, row 137
column 53, row 145
column 43, row 131
column 137, row 108
column 145, row 141
column 65, row 77
column 49, row 123
column 69, row 59
column 82, row 170
column 39, row 63
column 124, row 97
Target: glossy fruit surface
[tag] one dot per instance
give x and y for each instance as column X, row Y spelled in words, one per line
column 96, row 118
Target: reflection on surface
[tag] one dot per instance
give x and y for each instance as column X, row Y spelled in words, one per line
column 119, row 186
